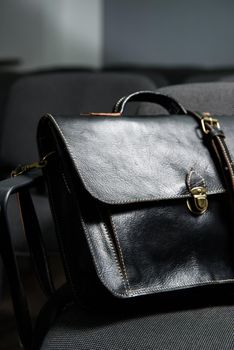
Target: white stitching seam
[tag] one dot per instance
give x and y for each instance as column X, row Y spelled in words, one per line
column 121, row 253
column 118, row 103
column 115, row 254
column 150, row 289
column 226, row 155
column 92, row 251
column 65, row 182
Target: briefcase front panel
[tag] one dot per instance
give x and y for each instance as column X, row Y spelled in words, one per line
column 150, row 202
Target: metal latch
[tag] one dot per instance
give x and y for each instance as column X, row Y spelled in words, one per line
column 198, row 204
column 208, row 120
column 22, row 169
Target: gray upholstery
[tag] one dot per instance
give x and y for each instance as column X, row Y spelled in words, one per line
column 204, row 78
column 62, row 93
column 154, row 74
column 209, row 328
column 6, row 80
column 227, row 78
column 217, row 98
column 162, row 75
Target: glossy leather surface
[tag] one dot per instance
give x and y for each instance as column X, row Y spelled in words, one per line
column 135, row 159
column 128, row 177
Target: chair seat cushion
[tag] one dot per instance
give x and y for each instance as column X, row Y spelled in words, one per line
column 201, row 328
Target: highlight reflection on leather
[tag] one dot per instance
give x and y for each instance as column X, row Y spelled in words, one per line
column 130, row 159
column 129, row 178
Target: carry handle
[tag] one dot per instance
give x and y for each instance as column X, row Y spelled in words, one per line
column 167, row 102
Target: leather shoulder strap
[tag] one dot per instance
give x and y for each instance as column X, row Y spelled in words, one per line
column 214, row 137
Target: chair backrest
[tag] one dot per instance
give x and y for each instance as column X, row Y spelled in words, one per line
column 206, row 77
column 227, row 78
column 60, row 93
column 153, row 73
column 216, row 98
column 161, row 75
column 6, row 80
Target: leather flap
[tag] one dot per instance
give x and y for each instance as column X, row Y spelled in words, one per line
column 137, row 159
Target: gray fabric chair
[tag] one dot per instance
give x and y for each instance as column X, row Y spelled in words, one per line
column 150, row 72
column 205, row 328
column 57, row 92
column 203, row 78
column 227, row 78
column 216, row 98
column 209, row 75
column 205, row 325
column 161, row 75
column 6, row 80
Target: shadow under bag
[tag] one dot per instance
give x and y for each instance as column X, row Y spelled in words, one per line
column 142, row 204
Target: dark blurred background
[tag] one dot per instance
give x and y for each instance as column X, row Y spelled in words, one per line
column 100, row 33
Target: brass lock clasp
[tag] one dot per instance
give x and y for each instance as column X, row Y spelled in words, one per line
column 22, row 169
column 207, row 120
column 198, row 204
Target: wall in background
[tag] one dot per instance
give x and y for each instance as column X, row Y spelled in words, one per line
column 95, row 32
column 52, row 32
column 168, row 32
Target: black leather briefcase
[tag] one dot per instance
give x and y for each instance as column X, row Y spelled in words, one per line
column 142, row 204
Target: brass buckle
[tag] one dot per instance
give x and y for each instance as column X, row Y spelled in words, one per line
column 208, row 119
column 22, row 169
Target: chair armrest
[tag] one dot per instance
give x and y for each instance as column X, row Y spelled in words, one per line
column 21, row 185
column 15, row 184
